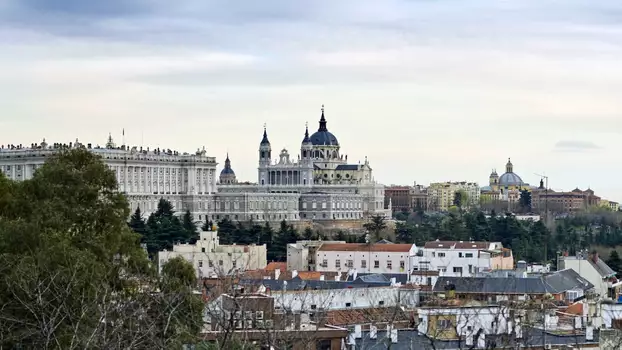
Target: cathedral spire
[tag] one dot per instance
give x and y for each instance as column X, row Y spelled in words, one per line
column 306, row 139
column 265, row 141
column 322, row 121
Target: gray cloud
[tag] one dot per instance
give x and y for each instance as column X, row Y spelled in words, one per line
column 575, row 146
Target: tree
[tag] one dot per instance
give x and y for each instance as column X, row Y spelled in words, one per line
column 164, row 229
column 308, row 234
column 614, row 261
column 189, row 225
column 207, row 226
column 375, row 226
column 525, row 201
column 287, row 234
column 137, row 223
column 73, row 273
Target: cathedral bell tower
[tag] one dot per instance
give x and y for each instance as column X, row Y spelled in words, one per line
column 265, row 156
column 306, row 148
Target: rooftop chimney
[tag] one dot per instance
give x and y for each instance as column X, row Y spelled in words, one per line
column 373, row 332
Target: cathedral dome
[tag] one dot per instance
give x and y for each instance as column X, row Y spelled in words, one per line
column 227, row 170
column 323, row 137
column 510, row 178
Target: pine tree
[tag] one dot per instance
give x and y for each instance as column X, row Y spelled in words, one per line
column 308, row 234
column 189, row 225
column 137, row 223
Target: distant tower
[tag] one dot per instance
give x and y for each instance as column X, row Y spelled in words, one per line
column 110, row 143
column 306, row 148
column 265, row 156
column 509, row 168
column 306, row 159
column 227, row 175
column 494, row 178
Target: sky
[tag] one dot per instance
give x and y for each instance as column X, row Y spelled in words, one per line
column 428, row 90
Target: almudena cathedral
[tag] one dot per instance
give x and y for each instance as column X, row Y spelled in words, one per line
column 319, row 185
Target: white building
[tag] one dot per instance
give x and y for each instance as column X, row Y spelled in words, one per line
column 301, row 255
column 343, row 299
column 188, row 181
column 365, row 258
column 211, row 259
column 458, row 259
column 319, row 184
column 595, row 270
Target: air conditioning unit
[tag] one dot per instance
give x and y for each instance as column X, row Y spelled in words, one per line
column 259, row 323
column 259, row 315
column 269, row 324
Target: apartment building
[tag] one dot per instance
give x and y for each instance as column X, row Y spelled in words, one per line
column 211, row 259
column 365, row 258
column 458, row 259
column 441, row 194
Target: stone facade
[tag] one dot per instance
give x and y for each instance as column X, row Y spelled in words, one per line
column 188, row 181
column 319, row 185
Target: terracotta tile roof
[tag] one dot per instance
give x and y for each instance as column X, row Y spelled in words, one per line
column 276, row 265
column 363, row 247
column 310, row 275
column 457, row 245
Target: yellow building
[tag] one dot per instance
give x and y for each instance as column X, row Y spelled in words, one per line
column 441, row 194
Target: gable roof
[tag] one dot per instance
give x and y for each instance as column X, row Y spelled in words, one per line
column 364, row 247
column 558, row 282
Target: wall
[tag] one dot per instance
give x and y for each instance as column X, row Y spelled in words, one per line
column 335, row 299
column 209, row 258
column 463, row 318
column 364, row 261
column 451, row 260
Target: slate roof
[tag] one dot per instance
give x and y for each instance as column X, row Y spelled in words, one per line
column 300, row 284
column 347, row 167
column 409, row 339
column 555, row 283
column 603, row 269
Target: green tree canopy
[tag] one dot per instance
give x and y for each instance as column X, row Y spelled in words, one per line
column 375, row 226
column 73, row 274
